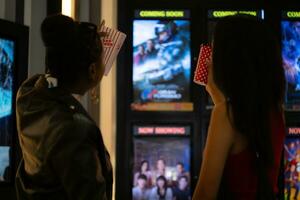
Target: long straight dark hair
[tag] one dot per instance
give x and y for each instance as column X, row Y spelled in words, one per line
column 247, row 68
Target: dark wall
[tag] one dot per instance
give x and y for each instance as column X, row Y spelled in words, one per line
column 8, row 192
column 53, row 6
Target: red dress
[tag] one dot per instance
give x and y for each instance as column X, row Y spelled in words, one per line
column 239, row 172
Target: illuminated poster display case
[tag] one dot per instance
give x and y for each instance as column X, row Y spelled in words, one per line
column 13, row 71
column 292, row 163
column 162, row 155
column 7, row 65
column 161, row 62
column 290, row 49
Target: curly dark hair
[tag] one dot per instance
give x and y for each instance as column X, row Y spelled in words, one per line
column 70, row 47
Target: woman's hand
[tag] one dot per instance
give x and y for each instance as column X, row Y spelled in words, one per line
column 215, row 93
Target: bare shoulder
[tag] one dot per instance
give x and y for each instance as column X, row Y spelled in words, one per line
column 223, row 119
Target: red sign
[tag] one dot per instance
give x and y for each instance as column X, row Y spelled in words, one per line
column 294, row 131
column 170, row 130
column 162, row 130
column 145, row 130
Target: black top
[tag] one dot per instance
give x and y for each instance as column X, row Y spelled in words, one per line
column 182, row 194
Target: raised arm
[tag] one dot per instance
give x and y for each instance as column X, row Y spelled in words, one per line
column 219, row 141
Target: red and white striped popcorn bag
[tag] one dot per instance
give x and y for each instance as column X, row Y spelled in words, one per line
column 201, row 71
column 112, row 43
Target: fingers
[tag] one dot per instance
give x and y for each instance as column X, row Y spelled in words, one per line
column 100, row 32
column 103, row 34
column 102, row 23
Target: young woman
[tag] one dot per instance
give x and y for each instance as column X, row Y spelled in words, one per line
column 145, row 170
column 246, row 133
column 64, row 156
column 159, row 171
column 161, row 191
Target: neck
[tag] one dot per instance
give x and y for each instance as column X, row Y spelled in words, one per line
column 142, row 188
column 79, row 87
column 74, row 89
column 161, row 190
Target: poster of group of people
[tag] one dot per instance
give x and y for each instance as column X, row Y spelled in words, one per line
column 161, row 172
column 291, row 61
column 292, row 168
column 161, row 63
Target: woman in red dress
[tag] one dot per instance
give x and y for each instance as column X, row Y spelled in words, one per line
column 246, row 133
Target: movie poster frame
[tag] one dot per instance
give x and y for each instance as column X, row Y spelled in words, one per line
column 19, row 34
column 186, row 17
column 159, row 123
column 200, row 117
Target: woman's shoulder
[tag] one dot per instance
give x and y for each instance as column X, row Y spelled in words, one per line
column 154, row 190
column 148, row 173
column 71, row 126
column 63, row 117
column 136, row 175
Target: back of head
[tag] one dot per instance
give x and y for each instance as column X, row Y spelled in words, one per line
column 247, row 68
column 57, row 30
column 70, row 47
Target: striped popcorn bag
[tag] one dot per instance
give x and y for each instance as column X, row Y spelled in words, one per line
column 112, row 43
